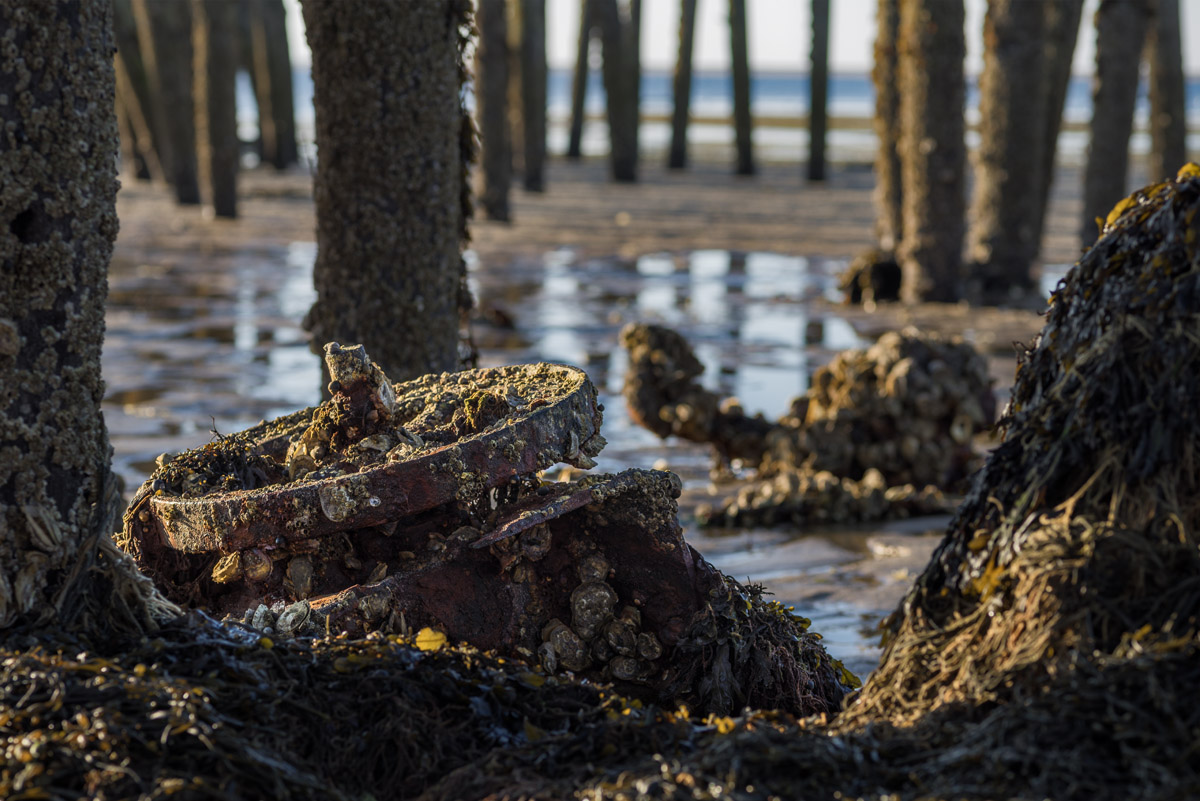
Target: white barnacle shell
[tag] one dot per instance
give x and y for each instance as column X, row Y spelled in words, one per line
column 293, row 618
column 262, row 618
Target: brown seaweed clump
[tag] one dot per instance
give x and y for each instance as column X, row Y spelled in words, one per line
column 205, row 711
column 881, row 432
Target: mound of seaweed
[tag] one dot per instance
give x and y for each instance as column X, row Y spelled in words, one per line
column 1079, row 535
column 206, row 710
column 198, row 711
column 1115, row 727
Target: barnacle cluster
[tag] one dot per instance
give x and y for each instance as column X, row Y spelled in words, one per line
column 807, row 496
column 882, row 430
column 598, row 634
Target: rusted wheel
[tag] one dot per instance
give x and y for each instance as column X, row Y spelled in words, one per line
column 447, row 437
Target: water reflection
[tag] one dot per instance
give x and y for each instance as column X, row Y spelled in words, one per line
column 204, row 343
column 752, row 318
column 214, row 340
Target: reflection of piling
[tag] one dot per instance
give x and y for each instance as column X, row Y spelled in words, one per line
column 677, row 159
column 1120, row 32
column 214, row 28
column 1168, row 126
column 165, row 35
column 741, row 87
column 580, row 80
column 818, row 90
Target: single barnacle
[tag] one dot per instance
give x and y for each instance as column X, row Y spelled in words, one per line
column 293, row 618
column 648, row 646
column 621, row 636
column 535, row 542
column 569, row 650
column 591, row 607
column 300, row 576
column 593, row 567
column 256, row 564
column 228, row 568
column 624, row 668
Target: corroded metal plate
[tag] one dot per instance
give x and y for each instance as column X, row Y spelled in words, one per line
column 543, row 414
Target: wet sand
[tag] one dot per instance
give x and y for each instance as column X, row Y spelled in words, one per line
column 204, row 330
column 706, row 206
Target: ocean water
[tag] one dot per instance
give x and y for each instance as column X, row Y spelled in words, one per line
column 775, row 97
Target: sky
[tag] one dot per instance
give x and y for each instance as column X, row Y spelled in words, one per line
column 778, row 33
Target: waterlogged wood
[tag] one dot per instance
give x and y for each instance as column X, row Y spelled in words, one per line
column 271, row 72
column 621, row 104
column 818, row 90
column 633, row 70
column 133, row 94
column 1003, row 238
column 165, row 37
column 137, row 149
column 515, row 12
column 491, row 110
column 579, row 81
column 58, row 214
column 533, row 92
column 1168, row 123
column 932, row 153
column 742, row 122
column 214, row 28
column 388, row 184
column 1062, row 31
column 1120, row 34
column 887, row 194
column 682, row 86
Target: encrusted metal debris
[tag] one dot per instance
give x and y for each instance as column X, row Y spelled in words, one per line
column 881, row 431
